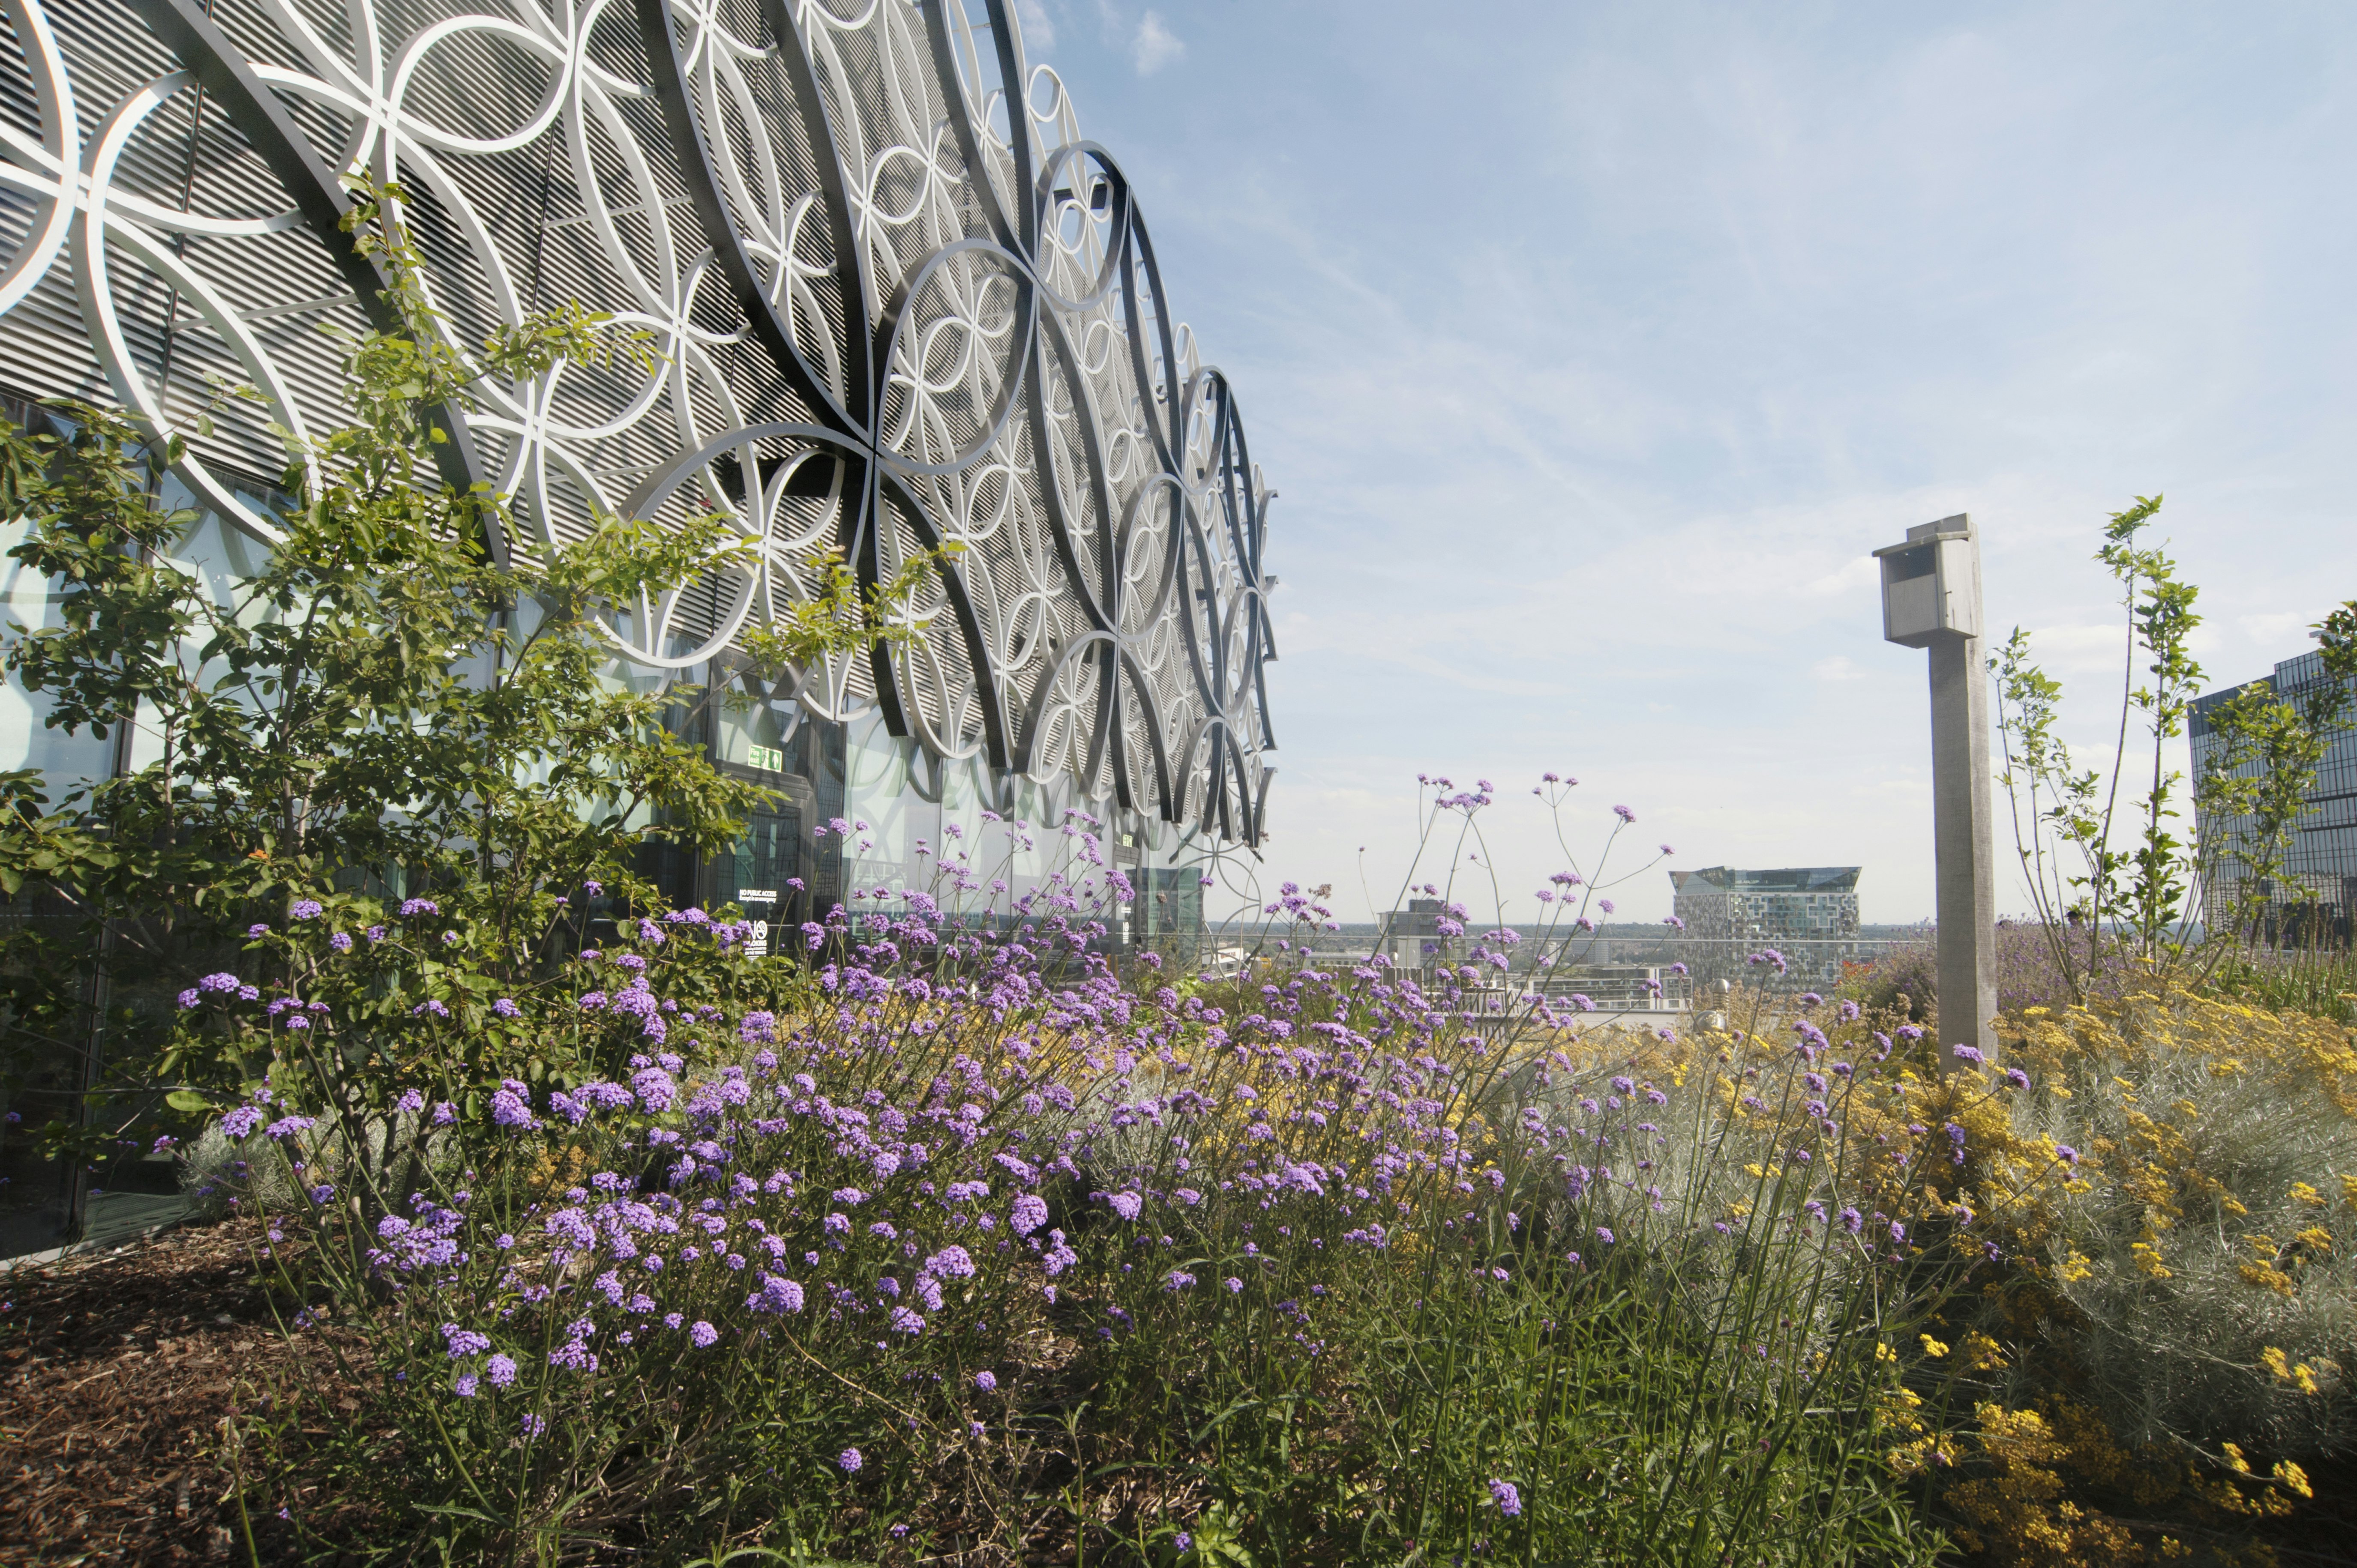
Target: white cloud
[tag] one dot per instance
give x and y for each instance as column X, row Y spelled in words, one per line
column 1838, row 668
column 1038, row 31
column 1156, row 46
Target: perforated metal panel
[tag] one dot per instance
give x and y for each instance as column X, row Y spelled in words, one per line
column 897, row 301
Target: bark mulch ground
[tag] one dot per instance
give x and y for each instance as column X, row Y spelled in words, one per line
column 115, row 1371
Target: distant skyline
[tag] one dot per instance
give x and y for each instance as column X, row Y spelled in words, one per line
column 1592, row 349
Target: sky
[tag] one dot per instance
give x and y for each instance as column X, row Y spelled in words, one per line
column 1591, row 349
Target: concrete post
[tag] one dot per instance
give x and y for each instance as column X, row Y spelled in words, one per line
column 1960, row 826
column 1932, row 600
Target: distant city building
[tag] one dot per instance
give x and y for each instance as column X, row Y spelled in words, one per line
column 1768, row 908
column 2317, row 892
column 1411, row 937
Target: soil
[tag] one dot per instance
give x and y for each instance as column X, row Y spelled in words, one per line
column 116, row 1369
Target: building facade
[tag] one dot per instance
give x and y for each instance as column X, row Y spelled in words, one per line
column 1816, row 903
column 1807, row 913
column 2317, row 895
column 895, row 301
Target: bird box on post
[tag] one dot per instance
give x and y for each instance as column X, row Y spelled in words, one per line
column 1932, row 600
column 1931, row 584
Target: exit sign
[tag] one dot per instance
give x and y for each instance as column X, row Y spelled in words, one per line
column 768, row 758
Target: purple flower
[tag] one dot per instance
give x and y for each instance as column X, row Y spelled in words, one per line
column 464, row 1342
column 759, row 1028
column 2066, row 1153
column 376, row 933
column 2016, row 1077
column 534, row 1426
column 308, row 909
column 703, row 1335
column 1182, row 1540
column 511, row 1109
column 1029, row 1213
column 257, row 929
column 241, row 1122
column 1125, row 1204
column 1509, row 1500
column 501, row 1369
column 191, row 998
column 1967, row 1054
column 341, row 941
column 1233, row 1284
column 465, row 1387
column 850, row 1461
column 1624, row 813
column 776, row 1295
column 504, row 1009
column 1851, row 1221
column 410, row 907
column 655, row 1087
column 984, row 1381
column 951, row 1264
column 1667, row 850
column 1603, row 1235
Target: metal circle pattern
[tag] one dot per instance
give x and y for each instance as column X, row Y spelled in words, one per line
column 895, row 302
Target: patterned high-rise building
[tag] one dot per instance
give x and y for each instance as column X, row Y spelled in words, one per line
column 2317, row 893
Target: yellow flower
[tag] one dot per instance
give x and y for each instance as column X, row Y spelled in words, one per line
column 2292, row 1475
column 2234, row 1460
column 2303, row 1193
column 2274, row 1361
column 1932, row 1347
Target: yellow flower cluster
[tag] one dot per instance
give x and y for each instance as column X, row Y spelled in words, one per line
column 2183, row 1113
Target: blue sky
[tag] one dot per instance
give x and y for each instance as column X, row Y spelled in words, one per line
column 1592, row 349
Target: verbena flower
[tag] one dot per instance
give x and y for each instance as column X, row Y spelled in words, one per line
column 1509, row 1500
column 464, row 1342
column 850, row 1461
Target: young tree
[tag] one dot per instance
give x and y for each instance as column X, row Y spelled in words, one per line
column 376, row 710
